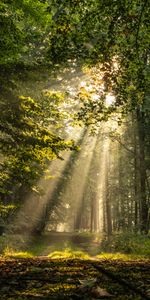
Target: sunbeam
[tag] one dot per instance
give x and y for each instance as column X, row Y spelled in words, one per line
column 77, row 184
column 72, row 196
column 110, row 99
column 34, row 206
column 103, row 176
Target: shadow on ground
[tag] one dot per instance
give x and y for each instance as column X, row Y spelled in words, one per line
column 43, row 278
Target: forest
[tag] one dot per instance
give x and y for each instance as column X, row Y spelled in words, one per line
column 75, row 149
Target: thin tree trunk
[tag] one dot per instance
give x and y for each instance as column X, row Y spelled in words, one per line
column 143, row 202
column 136, row 182
column 107, row 200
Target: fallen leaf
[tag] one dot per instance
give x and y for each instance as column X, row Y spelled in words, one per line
column 98, row 292
column 88, row 282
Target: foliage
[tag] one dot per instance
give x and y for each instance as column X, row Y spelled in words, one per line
column 27, row 145
column 6, row 211
column 127, row 243
column 21, row 21
column 113, row 37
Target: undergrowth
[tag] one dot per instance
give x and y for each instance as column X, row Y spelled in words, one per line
column 10, row 253
column 68, row 253
column 120, row 256
column 127, row 243
column 123, row 246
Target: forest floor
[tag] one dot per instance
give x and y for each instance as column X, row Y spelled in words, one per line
column 69, row 266
column 44, row 278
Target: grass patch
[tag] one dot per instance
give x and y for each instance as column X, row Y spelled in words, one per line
column 69, row 253
column 10, row 253
column 119, row 256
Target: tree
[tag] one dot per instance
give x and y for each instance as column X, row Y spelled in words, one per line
column 22, row 23
column 113, row 38
column 27, row 145
column 124, row 62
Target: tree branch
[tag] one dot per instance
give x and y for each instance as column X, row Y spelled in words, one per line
column 138, row 27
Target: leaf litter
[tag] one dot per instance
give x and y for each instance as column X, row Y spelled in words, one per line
column 45, row 278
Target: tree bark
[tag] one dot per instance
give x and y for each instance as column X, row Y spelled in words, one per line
column 143, row 202
column 107, row 199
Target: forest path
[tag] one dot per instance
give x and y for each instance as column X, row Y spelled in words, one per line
column 64, row 240
column 43, row 278
column 43, row 245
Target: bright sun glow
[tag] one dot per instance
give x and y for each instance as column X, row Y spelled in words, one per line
column 110, row 99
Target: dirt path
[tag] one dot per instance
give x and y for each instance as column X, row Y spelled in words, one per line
column 43, row 278
column 43, row 245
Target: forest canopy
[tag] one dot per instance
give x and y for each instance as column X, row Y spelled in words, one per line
column 111, row 40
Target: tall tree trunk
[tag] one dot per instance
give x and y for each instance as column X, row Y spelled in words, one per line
column 92, row 216
column 104, row 216
column 143, row 202
column 107, row 199
column 136, row 177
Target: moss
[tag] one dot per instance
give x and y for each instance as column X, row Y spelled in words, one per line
column 10, row 253
column 119, row 256
column 68, row 253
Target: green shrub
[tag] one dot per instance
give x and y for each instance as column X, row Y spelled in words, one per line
column 127, row 243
